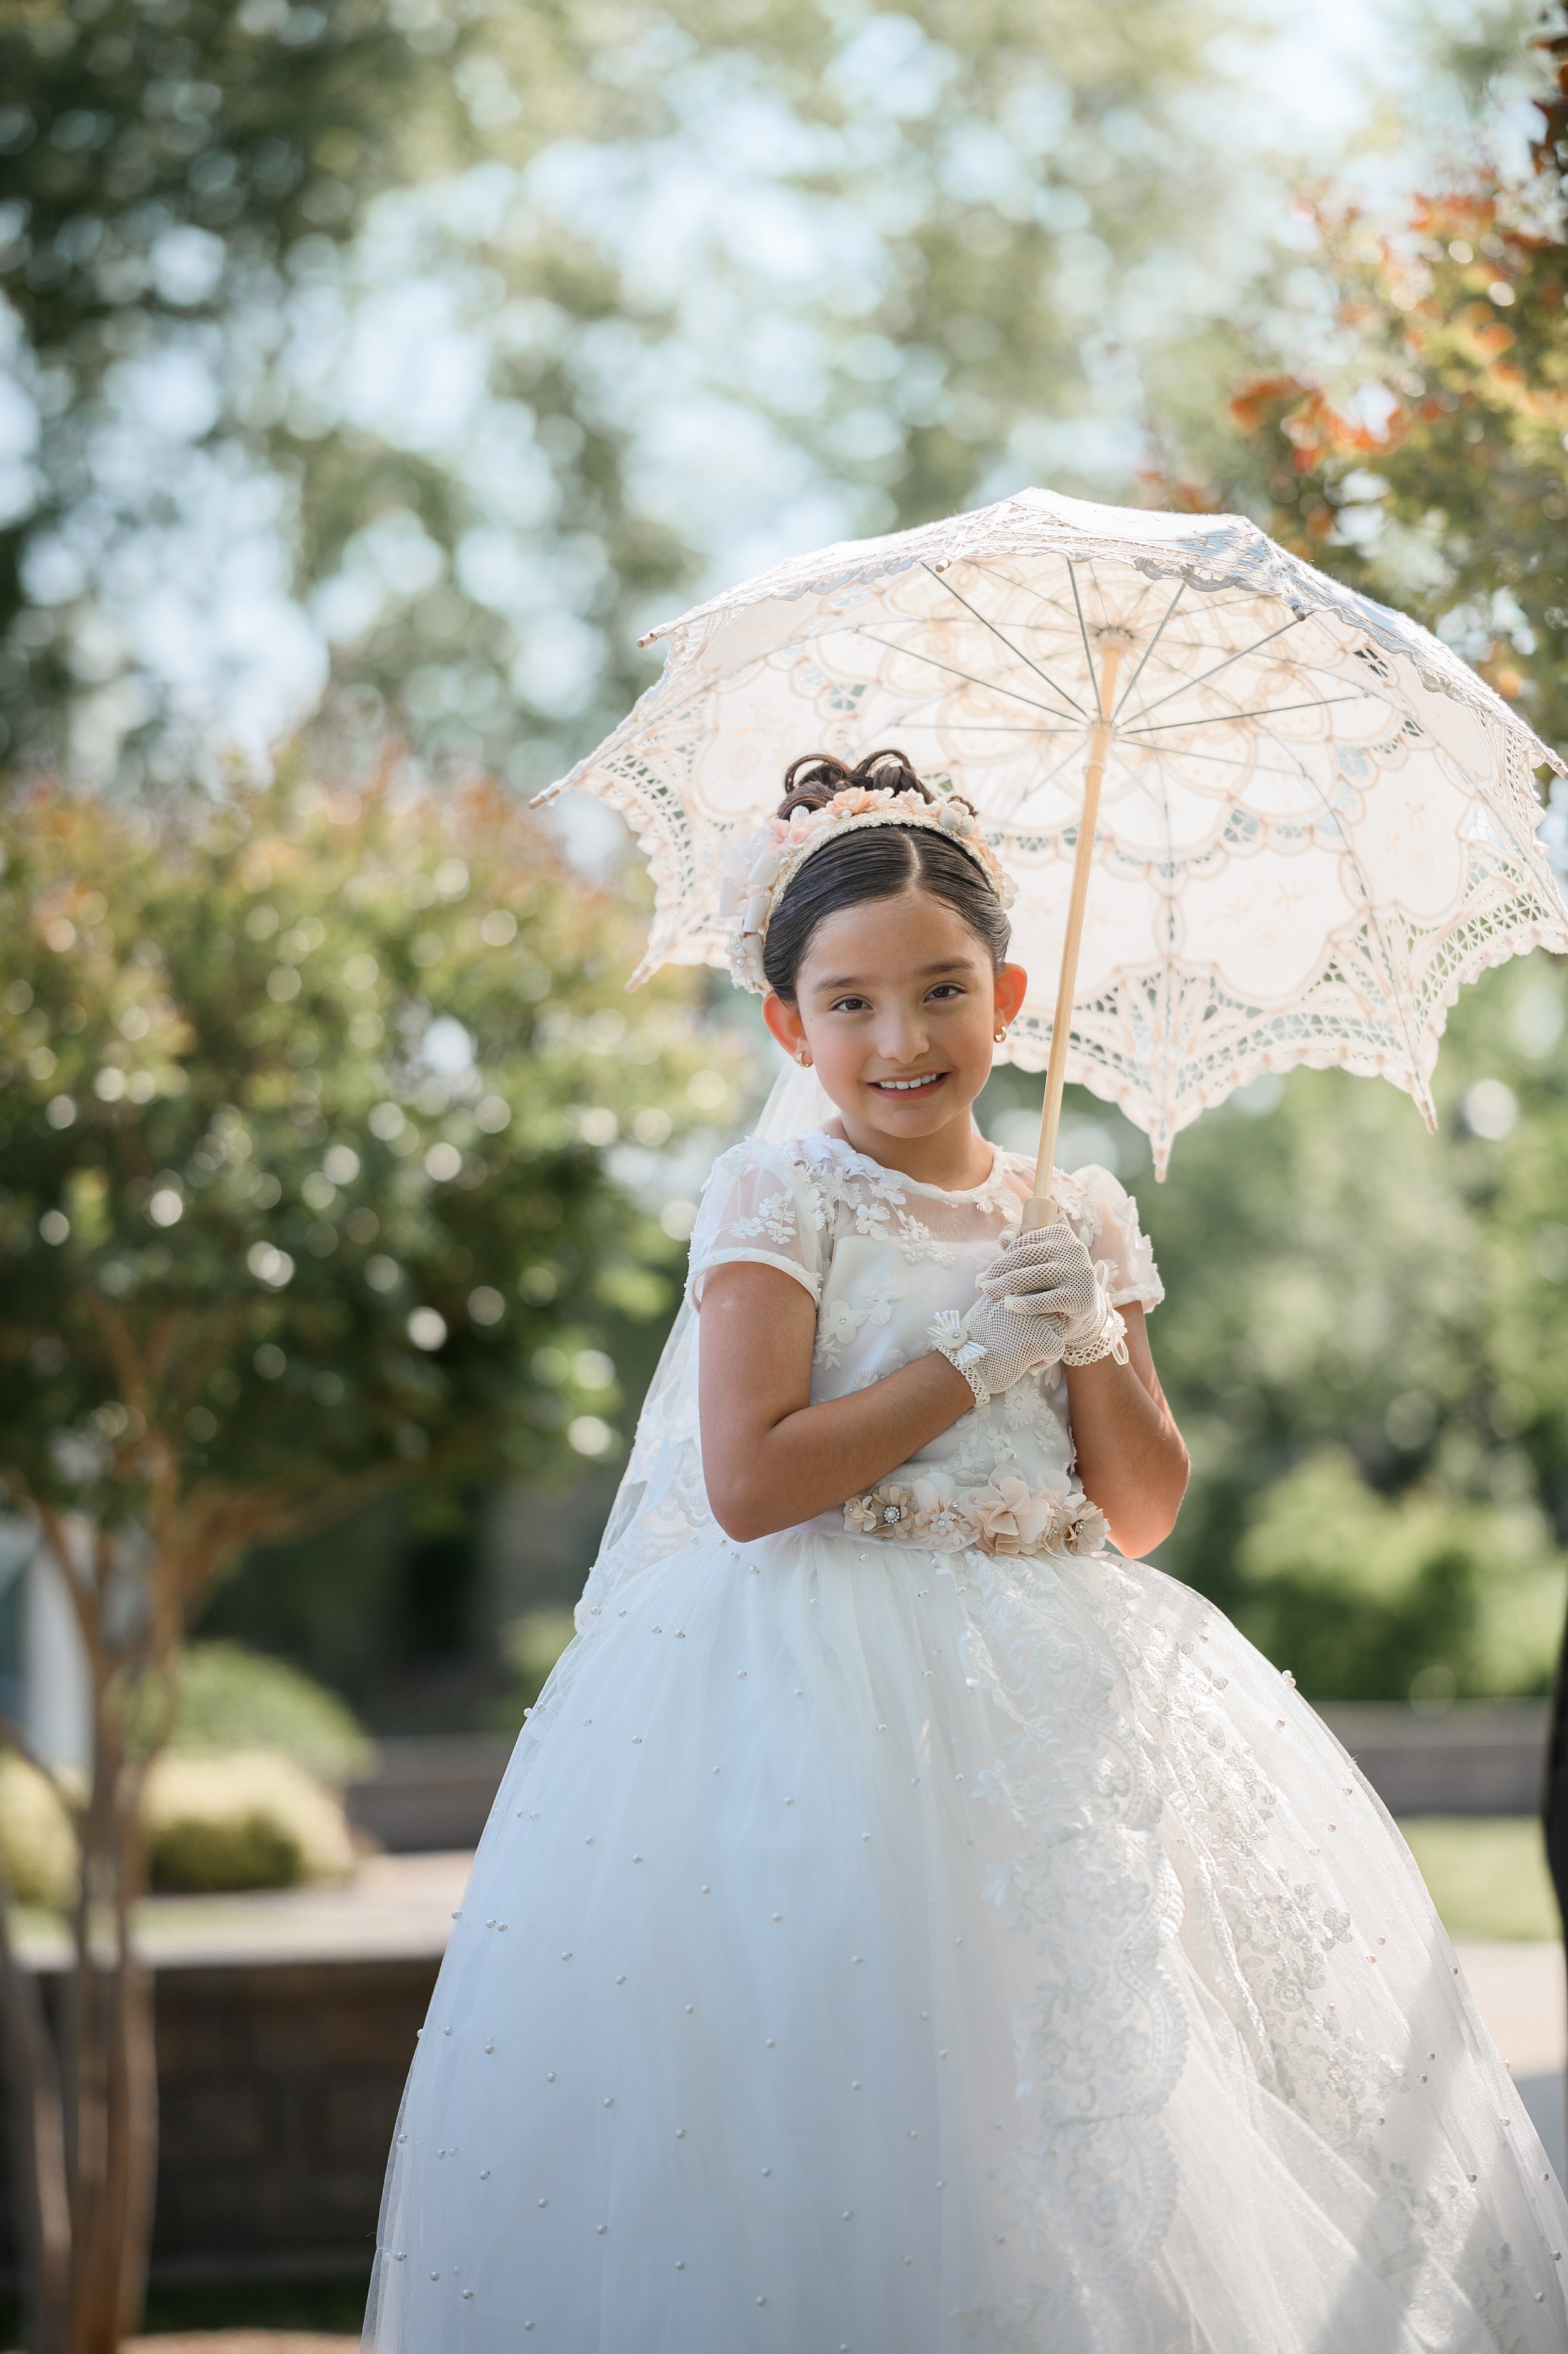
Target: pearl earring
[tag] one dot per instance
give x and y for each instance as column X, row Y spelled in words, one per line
column 803, row 1058
column 1000, row 1034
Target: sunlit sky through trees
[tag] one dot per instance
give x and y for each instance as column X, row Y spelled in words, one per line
column 661, row 310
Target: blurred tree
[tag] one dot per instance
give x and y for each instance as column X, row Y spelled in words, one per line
column 1344, row 1290
column 531, row 1644
column 1384, row 1303
column 1367, row 1599
column 302, row 1196
column 1385, row 1297
column 476, row 328
column 1431, row 468
column 1054, row 249
column 212, row 413
column 159, row 166
column 934, row 251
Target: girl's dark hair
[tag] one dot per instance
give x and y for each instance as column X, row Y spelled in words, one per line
column 877, row 861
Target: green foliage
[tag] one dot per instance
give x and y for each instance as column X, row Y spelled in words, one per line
column 161, row 165
column 931, row 261
column 1360, row 1596
column 1487, row 1875
column 233, row 1805
column 302, row 1182
column 1342, row 1285
column 1338, row 1280
column 1032, row 175
column 245, row 1819
column 1432, row 467
column 184, row 190
column 531, row 1644
column 231, row 1698
column 37, row 1845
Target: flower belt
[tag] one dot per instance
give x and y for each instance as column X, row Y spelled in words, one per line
column 1005, row 1516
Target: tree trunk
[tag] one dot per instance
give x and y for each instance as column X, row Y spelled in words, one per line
column 113, row 2063
column 1554, row 1788
column 84, row 2100
column 39, row 2190
column 84, row 2103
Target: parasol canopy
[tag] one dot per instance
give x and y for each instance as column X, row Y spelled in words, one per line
column 1314, row 821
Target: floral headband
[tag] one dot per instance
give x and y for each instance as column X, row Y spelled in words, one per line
column 766, row 864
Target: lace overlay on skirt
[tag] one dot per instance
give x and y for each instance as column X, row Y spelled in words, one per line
column 919, row 1947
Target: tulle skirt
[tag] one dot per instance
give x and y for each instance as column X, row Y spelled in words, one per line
column 879, row 1950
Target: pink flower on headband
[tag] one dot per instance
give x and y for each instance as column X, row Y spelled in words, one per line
column 760, row 867
column 855, row 800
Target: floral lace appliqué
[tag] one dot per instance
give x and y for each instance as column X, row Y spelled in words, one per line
column 774, row 1219
column 1004, row 1516
column 840, row 1320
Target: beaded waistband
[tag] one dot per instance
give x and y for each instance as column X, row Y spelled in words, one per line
column 1005, row 1516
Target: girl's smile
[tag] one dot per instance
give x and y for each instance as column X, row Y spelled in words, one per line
column 897, row 1005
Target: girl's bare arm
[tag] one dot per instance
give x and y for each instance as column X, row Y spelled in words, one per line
column 1131, row 1457
column 770, row 1457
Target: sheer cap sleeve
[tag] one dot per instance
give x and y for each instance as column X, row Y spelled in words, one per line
column 1118, row 1238
column 759, row 1207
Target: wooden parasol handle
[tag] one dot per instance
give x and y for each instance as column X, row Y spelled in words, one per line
column 1039, row 1210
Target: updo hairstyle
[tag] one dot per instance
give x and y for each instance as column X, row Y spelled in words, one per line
column 876, row 862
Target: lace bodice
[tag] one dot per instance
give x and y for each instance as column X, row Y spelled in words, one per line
column 883, row 1258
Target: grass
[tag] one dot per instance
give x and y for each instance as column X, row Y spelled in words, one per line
column 325, row 2305
column 306, row 2305
column 1486, row 1874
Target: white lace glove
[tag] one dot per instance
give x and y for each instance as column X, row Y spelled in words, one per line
column 995, row 1346
column 1049, row 1273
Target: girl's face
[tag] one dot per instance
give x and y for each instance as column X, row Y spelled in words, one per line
column 896, row 1004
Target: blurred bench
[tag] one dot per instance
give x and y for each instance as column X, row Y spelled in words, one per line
column 1479, row 1757
column 430, row 1791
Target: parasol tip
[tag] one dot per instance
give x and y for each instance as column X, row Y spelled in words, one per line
column 549, row 794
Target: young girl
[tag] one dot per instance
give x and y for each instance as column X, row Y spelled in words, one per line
column 907, row 1923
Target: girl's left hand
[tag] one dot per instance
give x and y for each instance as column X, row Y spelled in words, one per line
column 1049, row 1272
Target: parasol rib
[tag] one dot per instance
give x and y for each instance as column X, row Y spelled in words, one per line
column 1241, row 654
column 1148, row 649
column 1003, row 639
column 933, row 662
column 1228, row 718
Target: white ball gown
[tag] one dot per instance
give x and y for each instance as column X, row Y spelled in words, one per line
column 914, row 1934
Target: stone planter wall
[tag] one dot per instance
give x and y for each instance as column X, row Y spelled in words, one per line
column 278, row 2085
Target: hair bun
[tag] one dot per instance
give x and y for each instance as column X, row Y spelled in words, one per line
column 811, row 782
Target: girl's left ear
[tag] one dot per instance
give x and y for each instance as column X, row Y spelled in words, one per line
column 1012, row 987
column 785, row 1022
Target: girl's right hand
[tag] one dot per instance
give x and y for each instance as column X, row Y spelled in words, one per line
column 1000, row 1341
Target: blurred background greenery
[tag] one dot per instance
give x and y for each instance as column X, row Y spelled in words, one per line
column 373, row 372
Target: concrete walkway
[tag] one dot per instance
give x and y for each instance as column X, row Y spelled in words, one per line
column 1521, row 1993
column 238, row 2341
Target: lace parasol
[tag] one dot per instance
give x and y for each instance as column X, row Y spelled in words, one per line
column 1314, row 821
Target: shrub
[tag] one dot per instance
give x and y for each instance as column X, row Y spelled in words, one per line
column 531, row 1646
column 251, row 1818
column 233, row 1698
column 1363, row 1599
column 38, row 1847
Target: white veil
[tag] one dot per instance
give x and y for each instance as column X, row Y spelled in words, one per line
column 661, row 1502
